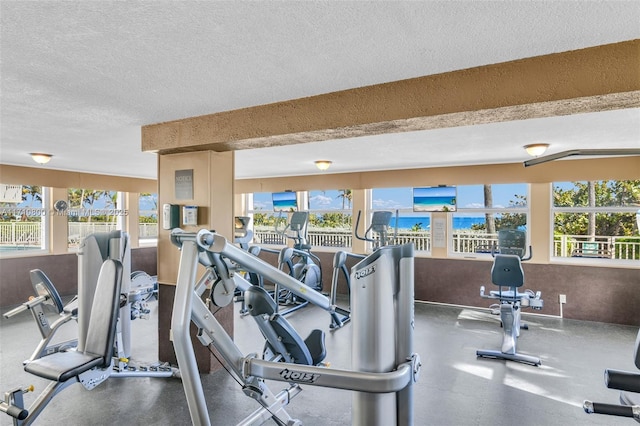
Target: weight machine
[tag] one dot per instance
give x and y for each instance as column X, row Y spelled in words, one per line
column 50, row 359
column 385, row 366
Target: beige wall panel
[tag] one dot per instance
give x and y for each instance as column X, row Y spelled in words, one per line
column 212, row 193
column 221, row 194
column 168, row 254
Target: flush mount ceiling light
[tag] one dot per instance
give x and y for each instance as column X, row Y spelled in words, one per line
column 40, row 158
column 536, row 149
column 323, row 164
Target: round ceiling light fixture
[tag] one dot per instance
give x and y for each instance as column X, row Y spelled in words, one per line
column 536, row 149
column 323, row 164
column 40, row 157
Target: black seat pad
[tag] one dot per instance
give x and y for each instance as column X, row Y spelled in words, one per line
column 61, row 366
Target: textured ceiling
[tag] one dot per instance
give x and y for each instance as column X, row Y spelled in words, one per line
column 79, row 78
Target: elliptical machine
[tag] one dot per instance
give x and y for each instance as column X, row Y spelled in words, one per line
column 378, row 234
column 301, row 264
column 507, row 272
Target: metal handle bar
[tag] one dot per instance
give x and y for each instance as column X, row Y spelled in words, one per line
column 364, row 238
column 632, row 411
column 26, row 305
column 210, row 241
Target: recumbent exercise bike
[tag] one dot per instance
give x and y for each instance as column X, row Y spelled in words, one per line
column 507, row 272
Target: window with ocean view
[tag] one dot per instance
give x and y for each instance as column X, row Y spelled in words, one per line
column 330, row 218
column 482, row 211
column 596, row 220
column 411, row 226
column 260, row 209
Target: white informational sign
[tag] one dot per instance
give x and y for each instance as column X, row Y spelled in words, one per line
column 10, row 193
column 190, row 215
column 439, row 232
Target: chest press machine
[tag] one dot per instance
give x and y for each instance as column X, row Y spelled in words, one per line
column 507, row 272
column 385, row 366
column 103, row 346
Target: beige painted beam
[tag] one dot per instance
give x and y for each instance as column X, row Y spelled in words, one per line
column 586, row 80
column 43, row 176
column 613, row 168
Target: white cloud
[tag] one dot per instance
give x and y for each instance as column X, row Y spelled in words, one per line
column 321, row 200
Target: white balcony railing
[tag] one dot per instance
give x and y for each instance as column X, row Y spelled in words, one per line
column 22, row 235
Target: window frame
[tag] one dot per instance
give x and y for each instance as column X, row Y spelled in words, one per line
column 482, row 211
column 600, row 258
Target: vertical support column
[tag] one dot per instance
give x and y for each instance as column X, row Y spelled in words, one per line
column 132, row 219
column 213, row 192
column 59, row 226
column 541, row 223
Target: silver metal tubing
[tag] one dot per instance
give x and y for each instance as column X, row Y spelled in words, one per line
column 275, row 410
column 564, row 154
column 180, row 321
column 392, row 381
column 218, row 244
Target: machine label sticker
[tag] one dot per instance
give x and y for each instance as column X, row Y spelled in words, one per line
column 365, row 272
column 298, row 376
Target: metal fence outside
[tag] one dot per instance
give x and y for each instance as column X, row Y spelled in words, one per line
column 20, row 235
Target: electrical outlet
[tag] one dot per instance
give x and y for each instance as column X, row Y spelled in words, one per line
column 562, row 298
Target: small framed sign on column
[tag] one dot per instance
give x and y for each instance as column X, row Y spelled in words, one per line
column 184, row 185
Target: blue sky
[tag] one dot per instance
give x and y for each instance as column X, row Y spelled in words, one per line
column 469, row 196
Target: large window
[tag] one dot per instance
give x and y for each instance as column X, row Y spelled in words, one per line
column 483, row 210
column 22, row 219
column 148, row 217
column 89, row 211
column 260, row 209
column 596, row 220
column 414, row 227
column 330, row 218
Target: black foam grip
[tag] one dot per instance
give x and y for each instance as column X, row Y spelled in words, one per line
column 613, row 410
column 18, row 413
column 622, row 380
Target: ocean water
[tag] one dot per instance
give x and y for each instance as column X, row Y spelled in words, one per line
column 425, row 222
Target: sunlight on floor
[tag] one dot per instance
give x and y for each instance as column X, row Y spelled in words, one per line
column 512, row 380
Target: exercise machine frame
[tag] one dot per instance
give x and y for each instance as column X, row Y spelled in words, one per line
column 384, row 386
column 628, row 383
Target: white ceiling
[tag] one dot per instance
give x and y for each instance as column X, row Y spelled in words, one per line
column 79, row 78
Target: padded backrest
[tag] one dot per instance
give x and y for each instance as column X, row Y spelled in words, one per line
column 258, row 303
column 507, row 271
column 289, row 337
column 101, row 330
